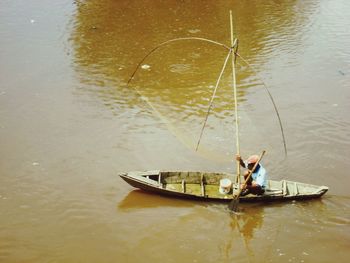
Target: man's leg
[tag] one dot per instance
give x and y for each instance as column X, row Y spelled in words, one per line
column 256, row 189
column 249, row 183
column 245, row 178
column 250, row 189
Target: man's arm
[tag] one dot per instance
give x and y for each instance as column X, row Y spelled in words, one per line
column 238, row 158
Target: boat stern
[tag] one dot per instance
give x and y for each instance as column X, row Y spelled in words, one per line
column 141, row 179
column 321, row 190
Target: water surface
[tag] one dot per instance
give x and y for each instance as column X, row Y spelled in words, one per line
column 69, row 124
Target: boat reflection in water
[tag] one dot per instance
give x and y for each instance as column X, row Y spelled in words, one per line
column 226, row 232
column 138, row 199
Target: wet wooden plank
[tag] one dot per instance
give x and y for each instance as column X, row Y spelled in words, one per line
column 284, row 187
column 296, row 191
column 202, row 185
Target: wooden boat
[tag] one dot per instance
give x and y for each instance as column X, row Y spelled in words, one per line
column 206, row 186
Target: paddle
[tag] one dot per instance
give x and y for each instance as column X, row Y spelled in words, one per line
column 233, row 206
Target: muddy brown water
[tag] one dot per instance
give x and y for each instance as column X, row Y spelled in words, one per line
column 69, row 124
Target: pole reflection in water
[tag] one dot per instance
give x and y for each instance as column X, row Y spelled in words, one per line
column 245, row 223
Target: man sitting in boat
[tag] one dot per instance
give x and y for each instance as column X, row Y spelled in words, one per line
column 258, row 181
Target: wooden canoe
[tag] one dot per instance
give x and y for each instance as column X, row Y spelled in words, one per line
column 205, row 186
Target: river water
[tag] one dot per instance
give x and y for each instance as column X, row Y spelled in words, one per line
column 69, row 124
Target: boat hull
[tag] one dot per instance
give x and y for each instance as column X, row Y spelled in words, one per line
column 205, row 187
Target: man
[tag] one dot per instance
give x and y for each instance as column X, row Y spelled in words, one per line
column 258, row 180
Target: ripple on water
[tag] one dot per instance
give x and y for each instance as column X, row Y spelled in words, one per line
column 180, row 68
column 324, row 130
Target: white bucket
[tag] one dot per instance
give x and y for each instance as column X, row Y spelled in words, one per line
column 225, row 186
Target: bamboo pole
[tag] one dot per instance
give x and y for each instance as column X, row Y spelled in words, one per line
column 171, row 41
column 212, row 98
column 271, row 98
column 233, row 42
